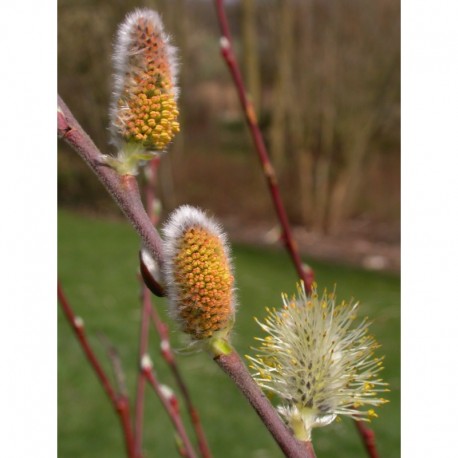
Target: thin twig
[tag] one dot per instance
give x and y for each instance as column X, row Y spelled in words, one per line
column 161, row 327
column 170, row 404
column 141, row 379
column 120, row 402
column 306, row 275
column 167, row 354
column 123, row 188
column 116, row 363
column 368, row 438
column 232, row 365
column 260, row 147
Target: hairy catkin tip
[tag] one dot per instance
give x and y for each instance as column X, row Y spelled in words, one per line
column 144, row 111
column 199, row 275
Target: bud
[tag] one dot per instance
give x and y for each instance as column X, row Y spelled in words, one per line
column 198, row 274
column 144, row 110
column 151, row 273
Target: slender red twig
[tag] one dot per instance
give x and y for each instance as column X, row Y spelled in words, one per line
column 368, row 437
column 170, row 404
column 260, row 147
column 169, row 357
column 144, row 329
column 120, row 402
column 306, row 275
column 162, row 328
column 141, row 380
column 124, row 189
column 116, row 364
column 232, row 365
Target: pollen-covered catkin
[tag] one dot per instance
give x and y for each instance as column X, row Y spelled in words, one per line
column 198, row 271
column 144, row 110
column 317, row 363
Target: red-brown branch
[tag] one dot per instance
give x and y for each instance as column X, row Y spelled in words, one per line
column 260, row 147
column 120, row 402
column 171, row 407
column 116, row 364
column 124, row 189
column 306, row 275
column 368, row 438
column 161, row 327
column 167, row 353
column 141, row 380
column 232, row 365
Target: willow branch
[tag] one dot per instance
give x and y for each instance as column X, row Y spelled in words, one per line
column 116, row 364
column 170, row 403
column 123, row 188
column 167, row 354
column 141, row 379
column 162, row 328
column 307, row 276
column 260, row 147
column 233, row 366
column 119, row 402
column 368, row 438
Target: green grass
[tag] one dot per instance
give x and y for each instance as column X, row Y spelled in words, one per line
column 97, row 268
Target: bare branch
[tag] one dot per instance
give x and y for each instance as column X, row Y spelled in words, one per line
column 123, row 188
column 149, row 311
column 116, row 363
column 141, row 379
column 368, row 438
column 170, row 404
column 260, row 147
column 306, row 275
column 233, row 366
column 119, row 402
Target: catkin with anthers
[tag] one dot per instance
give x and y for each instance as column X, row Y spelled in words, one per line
column 198, row 274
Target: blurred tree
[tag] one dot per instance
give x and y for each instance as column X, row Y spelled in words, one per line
column 328, row 73
column 346, row 90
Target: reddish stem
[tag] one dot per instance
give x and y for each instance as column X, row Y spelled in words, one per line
column 141, row 380
column 307, row 276
column 368, row 437
column 162, row 329
column 171, row 407
column 260, row 147
column 232, row 365
column 123, row 188
column 167, row 354
column 119, row 402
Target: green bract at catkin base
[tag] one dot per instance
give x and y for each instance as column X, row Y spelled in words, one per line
column 199, row 279
column 144, row 109
column 317, row 363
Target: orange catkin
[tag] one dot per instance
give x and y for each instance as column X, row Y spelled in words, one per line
column 198, row 271
column 205, row 282
column 144, row 109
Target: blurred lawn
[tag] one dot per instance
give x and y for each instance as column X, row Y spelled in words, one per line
column 97, row 268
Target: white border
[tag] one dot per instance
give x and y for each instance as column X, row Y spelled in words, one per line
column 28, row 186
column 429, row 228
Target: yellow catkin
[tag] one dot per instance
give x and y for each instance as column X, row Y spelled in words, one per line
column 202, row 271
column 147, row 111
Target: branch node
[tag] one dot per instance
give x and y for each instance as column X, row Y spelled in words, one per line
column 78, row 322
column 270, row 172
column 146, row 363
column 225, row 44
column 250, row 113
